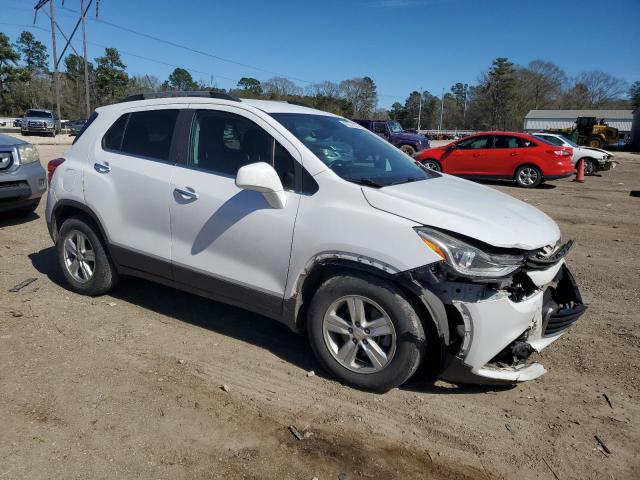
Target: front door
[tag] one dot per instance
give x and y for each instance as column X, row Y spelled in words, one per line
column 469, row 156
column 228, row 242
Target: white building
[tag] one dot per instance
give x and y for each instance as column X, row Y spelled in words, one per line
column 546, row 119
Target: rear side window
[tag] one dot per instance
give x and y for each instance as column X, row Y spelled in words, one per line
column 379, row 127
column 147, row 134
column 504, row 141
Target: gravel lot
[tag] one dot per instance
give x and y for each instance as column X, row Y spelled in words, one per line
column 129, row 385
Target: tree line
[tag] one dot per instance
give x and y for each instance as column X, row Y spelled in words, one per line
column 499, row 100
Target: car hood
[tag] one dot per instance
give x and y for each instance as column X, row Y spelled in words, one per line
column 469, row 209
column 599, row 150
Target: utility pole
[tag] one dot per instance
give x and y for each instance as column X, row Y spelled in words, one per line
column 441, row 110
column 86, row 63
column 464, row 108
column 419, row 109
column 56, row 59
column 56, row 75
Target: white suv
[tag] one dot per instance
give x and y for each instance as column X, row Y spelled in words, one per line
column 310, row 219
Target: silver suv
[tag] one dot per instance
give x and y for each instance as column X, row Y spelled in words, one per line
column 22, row 178
column 312, row 220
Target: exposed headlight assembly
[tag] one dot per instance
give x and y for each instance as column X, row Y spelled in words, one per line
column 467, row 260
column 28, row 153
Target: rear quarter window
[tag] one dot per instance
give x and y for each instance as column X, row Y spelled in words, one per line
column 89, row 121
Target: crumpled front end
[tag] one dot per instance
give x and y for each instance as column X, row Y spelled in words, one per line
column 496, row 327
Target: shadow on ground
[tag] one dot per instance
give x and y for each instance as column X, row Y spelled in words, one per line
column 234, row 322
column 10, row 218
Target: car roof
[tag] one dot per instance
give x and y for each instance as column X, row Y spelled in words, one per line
column 268, row 106
column 513, row 134
column 8, row 140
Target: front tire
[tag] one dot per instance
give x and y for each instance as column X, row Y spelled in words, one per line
column 590, row 166
column 528, row 176
column 432, row 164
column 364, row 331
column 83, row 258
column 408, row 149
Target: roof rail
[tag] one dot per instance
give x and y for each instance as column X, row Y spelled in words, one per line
column 172, row 94
column 299, row 104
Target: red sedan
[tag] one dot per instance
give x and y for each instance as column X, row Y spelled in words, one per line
column 526, row 160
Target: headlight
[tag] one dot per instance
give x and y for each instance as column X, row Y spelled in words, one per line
column 28, row 154
column 50, row 124
column 466, row 259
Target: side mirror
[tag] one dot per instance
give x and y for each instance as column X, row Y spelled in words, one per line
column 262, row 177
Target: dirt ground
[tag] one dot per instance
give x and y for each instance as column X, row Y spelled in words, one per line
column 129, row 385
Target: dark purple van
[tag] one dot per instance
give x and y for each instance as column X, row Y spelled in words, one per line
column 392, row 131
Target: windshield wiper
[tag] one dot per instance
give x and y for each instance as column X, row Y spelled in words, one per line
column 366, row 181
column 406, row 180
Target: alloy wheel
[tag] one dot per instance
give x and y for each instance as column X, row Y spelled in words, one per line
column 79, row 256
column 588, row 167
column 528, row 176
column 431, row 165
column 359, row 334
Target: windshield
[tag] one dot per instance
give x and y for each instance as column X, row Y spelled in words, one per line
column 395, row 127
column 353, row 152
column 38, row 114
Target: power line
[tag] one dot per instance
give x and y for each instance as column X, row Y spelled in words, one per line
column 199, row 52
column 127, row 53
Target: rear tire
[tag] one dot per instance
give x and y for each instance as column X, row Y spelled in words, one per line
column 432, row 164
column 528, row 176
column 83, row 258
column 347, row 345
column 408, row 149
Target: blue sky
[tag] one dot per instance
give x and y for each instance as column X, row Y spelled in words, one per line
column 402, row 44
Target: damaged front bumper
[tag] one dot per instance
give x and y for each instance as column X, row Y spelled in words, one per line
column 494, row 329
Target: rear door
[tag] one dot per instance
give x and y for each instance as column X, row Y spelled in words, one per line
column 128, row 183
column 509, row 152
column 469, row 157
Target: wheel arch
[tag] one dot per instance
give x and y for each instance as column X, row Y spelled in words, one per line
column 428, row 306
column 65, row 209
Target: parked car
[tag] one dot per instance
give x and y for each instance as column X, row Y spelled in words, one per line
column 595, row 159
column 22, row 178
column 517, row 157
column 37, row 121
column 74, row 126
column 17, row 122
column 392, row 132
column 310, row 219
